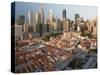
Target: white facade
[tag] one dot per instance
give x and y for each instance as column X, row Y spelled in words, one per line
column 50, row 16
column 18, row 31
column 32, row 19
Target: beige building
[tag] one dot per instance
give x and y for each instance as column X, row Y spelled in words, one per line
column 32, row 19
column 66, row 25
column 70, row 34
column 18, row 32
column 92, row 27
column 25, row 27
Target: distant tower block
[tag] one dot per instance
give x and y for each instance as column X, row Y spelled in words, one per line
column 21, row 20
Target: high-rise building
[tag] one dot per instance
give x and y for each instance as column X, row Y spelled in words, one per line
column 18, row 32
column 72, row 28
column 53, row 24
column 68, row 25
column 65, row 21
column 88, row 26
column 30, row 29
column 38, row 18
column 42, row 18
column 65, row 25
column 51, row 20
column 79, row 21
column 21, row 20
column 25, row 28
column 32, row 20
column 50, row 16
column 76, row 16
column 59, row 24
column 64, row 14
column 47, row 27
column 82, row 27
column 92, row 26
column 39, row 25
column 42, row 15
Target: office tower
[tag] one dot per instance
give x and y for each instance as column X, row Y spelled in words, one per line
column 18, row 32
column 47, row 27
column 42, row 15
column 59, row 24
column 21, row 20
column 82, row 27
column 51, row 20
column 50, row 16
column 94, row 31
column 78, row 24
column 64, row 14
column 88, row 25
column 65, row 21
column 78, row 21
column 69, row 24
column 82, row 19
column 25, row 28
column 95, row 27
column 32, row 20
column 52, row 24
column 30, row 29
column 72, row 28
column 92, row 26
column 39, row 25
column 38, row 18
column 42, row 18
column 65, row 25
column 76, row 16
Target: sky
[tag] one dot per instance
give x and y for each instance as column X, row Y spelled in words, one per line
column 87, row 12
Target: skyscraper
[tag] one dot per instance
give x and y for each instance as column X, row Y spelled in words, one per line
column 76, row 16
column 47, row 27
column 42, row 15
column 51, row 20
column 50, row 16
column 32, row 20
column 21, row 20
column 66, row 25
column 18, row 32
column 59, row 24
column 38, row 18
column 25, row 28
column 64, row 14
column 42, row 18
column 72, row 28
column 39, row 25
column 65, row 21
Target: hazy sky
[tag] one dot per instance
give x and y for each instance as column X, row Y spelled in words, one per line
column 87, row 12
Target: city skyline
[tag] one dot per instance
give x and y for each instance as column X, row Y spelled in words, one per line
column 23, row 8
column 52, row 37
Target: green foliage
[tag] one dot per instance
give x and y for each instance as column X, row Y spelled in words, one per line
column 47, row 37
column 93, row 50
column 86, row 34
